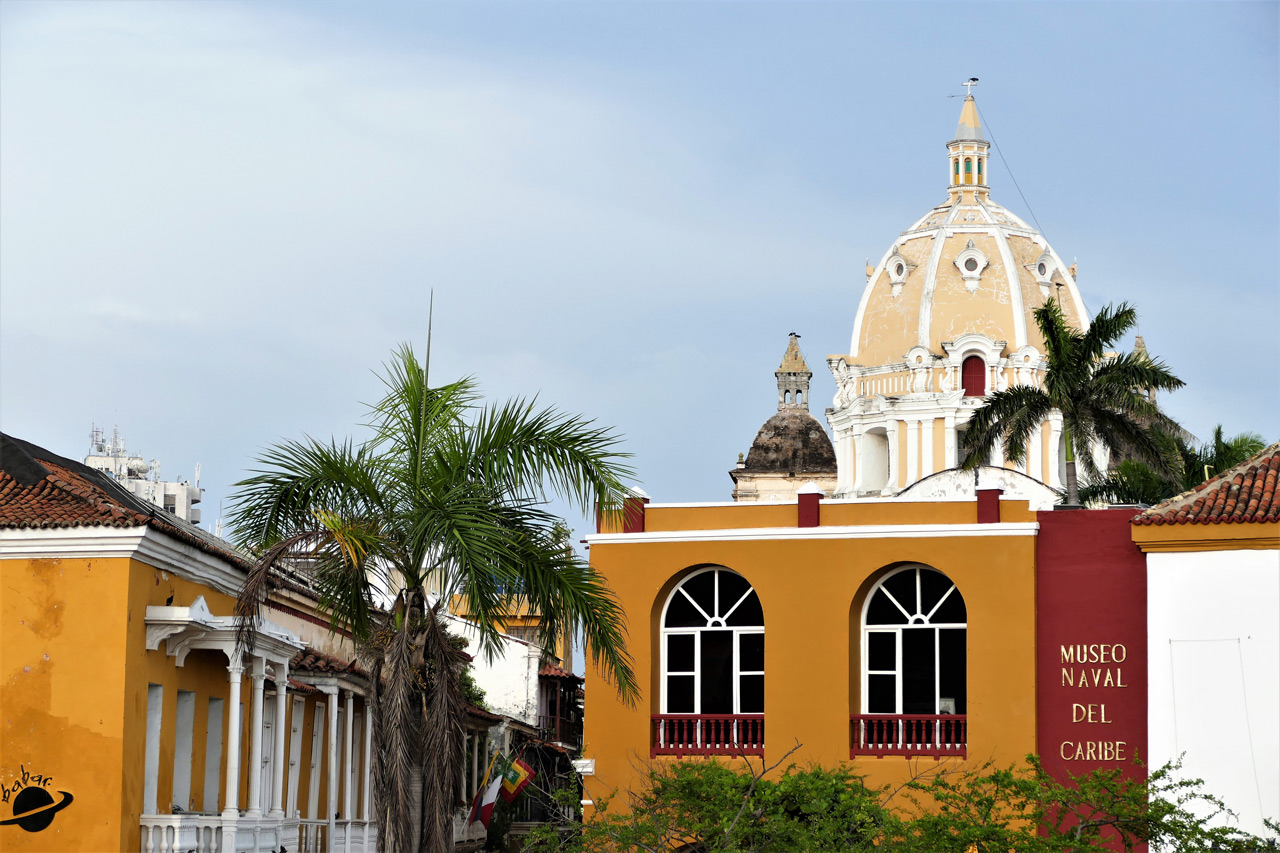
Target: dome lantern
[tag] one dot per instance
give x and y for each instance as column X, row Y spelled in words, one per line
column 967, row 153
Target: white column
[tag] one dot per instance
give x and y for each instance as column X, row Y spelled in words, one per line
column 235, row 671
column 347, row 726
column 950, row 454
column 859, row 466
column 926, row 447
column 367, row 768
column 913, row 450
column 277, row 777
column 1055, row 450
column 1035, row 460
column 258, row 673
column 895, row 460
column 334, row 770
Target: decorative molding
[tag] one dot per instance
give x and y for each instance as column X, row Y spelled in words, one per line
column 870, row 531
column 971, row 256
column 139, row 543
column 195, row 627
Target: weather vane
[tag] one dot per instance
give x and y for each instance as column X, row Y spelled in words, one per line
column 969, row 84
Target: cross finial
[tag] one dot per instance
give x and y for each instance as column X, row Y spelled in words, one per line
column 969, row 84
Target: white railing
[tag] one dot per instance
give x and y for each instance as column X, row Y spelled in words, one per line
column 202, row 833
column 349, row 836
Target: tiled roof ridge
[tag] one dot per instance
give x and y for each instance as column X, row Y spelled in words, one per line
column 30, row 471
column 1244, row 494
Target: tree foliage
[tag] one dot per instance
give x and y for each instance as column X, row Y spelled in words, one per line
column 446, row 498
column 1133, row 481
column 709, row 806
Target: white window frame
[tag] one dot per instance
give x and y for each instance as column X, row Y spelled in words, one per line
column 738, row 633
column 896, row 630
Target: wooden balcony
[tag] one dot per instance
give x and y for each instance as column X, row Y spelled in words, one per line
column 938, row 735
column 707, row 734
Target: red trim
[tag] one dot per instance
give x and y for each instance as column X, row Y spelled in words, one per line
column 989, row 506
column 633, row 515
column 808, row 510
column 306, row 617
column 939, row 735
column 706, row 734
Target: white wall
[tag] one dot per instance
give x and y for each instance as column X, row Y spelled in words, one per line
column 510, row 680
column 1214, row 681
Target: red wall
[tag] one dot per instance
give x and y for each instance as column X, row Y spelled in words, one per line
column 1091, row 601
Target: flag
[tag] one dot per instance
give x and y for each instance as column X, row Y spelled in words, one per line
column 516, row 776
column 487, row 795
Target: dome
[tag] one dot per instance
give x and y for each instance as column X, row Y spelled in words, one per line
column 947, row 318
column 968, row 266
column 791, row 442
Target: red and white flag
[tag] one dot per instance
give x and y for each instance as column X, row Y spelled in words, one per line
column 486, row 796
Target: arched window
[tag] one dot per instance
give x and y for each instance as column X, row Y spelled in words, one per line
column 956, row 163
column 973, row 376
column 914, row 645
column 713, row 646
column 968, row 171
column 913, row 666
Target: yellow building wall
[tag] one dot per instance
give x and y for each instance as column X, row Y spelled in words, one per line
column 62, row 714
column 812, row 591
column 73, row 702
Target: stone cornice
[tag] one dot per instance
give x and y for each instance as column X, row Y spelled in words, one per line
column 139, row 543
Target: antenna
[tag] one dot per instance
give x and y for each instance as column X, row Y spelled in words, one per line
column 431, row 313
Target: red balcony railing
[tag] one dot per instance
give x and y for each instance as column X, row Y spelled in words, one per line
column 707, row 734
column 938, row 735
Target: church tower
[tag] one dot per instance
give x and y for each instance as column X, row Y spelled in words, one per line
column 946, row 318
column 791, row 449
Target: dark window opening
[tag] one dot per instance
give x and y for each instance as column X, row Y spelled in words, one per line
column 973, row 376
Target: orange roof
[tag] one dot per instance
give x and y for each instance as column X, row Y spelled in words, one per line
column 1243, row 494
column 39, row 489
column 552, row 671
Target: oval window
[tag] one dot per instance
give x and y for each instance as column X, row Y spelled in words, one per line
column 1042, row 269
column 900, row 270
column 971, row 264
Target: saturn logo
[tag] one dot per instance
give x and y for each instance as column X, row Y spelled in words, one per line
column 34, row 808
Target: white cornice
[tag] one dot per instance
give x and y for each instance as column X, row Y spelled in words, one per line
column 140, row 543
column 869, row 531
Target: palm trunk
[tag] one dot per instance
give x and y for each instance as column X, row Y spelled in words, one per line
column 443, row 711
column 1073, row 487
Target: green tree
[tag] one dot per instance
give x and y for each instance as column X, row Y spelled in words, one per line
column 1102, row 398
column 447, row 497
column 1133, row 481
column 711, row 806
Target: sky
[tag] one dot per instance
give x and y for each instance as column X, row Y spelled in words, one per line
column 217, row 220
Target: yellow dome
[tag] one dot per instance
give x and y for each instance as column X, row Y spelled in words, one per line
column 966, row 266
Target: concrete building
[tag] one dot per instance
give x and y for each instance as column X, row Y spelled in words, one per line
column 142, row 477
column 1213, row 619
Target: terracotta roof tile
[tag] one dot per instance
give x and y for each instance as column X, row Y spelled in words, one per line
column 41, row 490
column 552, row 671
column 1243, row 494
column 319, row 663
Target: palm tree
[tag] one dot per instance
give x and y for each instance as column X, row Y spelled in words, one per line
column 1133, row 481
column 1103, row 398
column 446, row 498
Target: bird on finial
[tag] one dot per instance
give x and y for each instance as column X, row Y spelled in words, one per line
column 794, row 335
column 969, row 84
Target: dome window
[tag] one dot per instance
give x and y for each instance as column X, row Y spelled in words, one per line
column 971, row 263
column 898, row 268
column 973, row 376
column 1044, row 270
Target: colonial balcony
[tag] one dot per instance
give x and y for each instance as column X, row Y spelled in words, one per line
column 937, row 735
column 707, row 734
column 201, row 833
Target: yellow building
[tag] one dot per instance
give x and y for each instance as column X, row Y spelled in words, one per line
column 129, row 720
column 909, row 613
